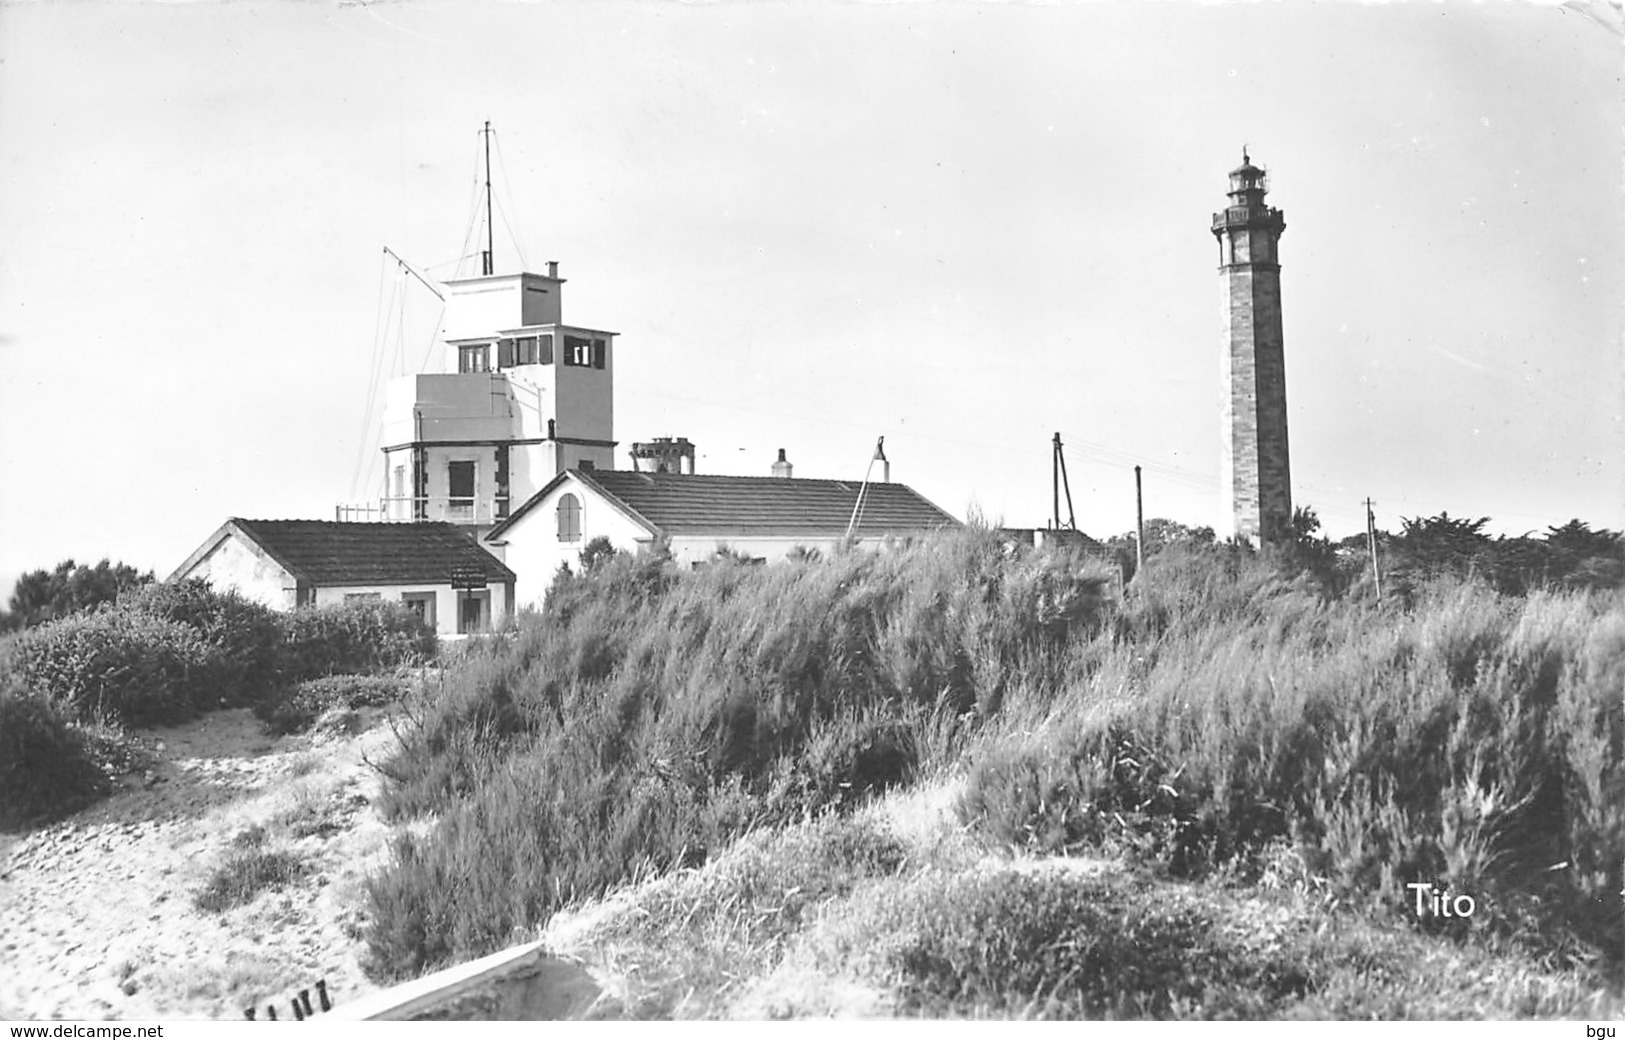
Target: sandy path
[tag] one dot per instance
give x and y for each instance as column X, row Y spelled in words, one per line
column 96, row 912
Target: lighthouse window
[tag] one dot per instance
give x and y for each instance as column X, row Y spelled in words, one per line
column 474, row 359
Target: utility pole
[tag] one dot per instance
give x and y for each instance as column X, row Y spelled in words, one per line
column 1055, row 481
column 1139, row 525
column 1058, row 482
column 1371, row 543
column 488, row 262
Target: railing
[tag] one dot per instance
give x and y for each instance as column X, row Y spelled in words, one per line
column 1246, row 215
column 405, row 509
column 359, row 513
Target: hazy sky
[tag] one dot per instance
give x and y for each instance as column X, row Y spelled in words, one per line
column 960, row 226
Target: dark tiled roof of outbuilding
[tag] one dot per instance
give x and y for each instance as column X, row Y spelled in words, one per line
column 691, row 504
column 329, row 552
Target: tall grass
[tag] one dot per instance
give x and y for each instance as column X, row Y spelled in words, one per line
column 1472, row 742
column 645, row 717
column 1223, row 711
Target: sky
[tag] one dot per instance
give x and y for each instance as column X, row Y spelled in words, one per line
column 964, row 227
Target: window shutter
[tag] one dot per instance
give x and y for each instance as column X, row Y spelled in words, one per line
column 597, row 353
column 569, row 519
column 505, row 353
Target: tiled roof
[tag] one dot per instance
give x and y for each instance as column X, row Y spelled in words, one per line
column 688, row 504
column 327, row 552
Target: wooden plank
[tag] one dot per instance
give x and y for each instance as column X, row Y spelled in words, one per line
column 569, row 988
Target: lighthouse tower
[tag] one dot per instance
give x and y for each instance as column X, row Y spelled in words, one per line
column 1255, row 474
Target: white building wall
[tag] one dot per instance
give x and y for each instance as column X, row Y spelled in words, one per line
column 532, row 550
column 240, row 564
column 445, row 605
column 689, row 550
column 481, row 306
column 531, row 547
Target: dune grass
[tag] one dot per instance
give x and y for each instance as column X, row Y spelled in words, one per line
column 1226, row 722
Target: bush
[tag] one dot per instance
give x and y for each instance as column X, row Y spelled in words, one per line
column 49, row 766
column 355, row 637
column 41, row 596
column 1050, row 945
column 646, row 716
column 1472, row 742
column 248, row 635
column 246, row 873
column 118, row 666
column 298, row 708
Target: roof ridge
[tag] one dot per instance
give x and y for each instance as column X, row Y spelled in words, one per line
column 651, row 477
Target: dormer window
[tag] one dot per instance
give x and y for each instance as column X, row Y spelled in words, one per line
column 474, row 359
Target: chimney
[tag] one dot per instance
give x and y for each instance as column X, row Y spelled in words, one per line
column 885, row 463
column 664, row 455
column 782, row 467
column 552, row 268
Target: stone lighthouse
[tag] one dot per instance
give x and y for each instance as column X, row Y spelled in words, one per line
column 1255, row 484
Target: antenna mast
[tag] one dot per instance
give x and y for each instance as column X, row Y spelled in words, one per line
column 487, row 264
column 857, row 507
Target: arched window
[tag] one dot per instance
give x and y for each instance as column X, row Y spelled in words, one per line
column 569, row 519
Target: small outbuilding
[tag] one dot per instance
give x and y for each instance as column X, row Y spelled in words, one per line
column 759, row 518
column 437, row 569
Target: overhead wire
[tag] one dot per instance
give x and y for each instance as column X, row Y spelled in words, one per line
column 434, row 333
column 472, row 235
column 519, row 247
column 512, row 236
column 1117, row 458
column 380, row 332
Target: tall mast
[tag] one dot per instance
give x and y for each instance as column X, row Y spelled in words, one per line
column 488, row 264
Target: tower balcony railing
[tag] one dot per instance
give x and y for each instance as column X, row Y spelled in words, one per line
column 405, row 509
column 1246, row 215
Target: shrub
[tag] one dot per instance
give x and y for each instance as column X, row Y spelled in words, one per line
column 355, row 637
column 248, row 635
column 645, row 716
column 248, row 871
column 41, row 596
column 49, row 766
column 1471, row 741
column 595, row 553
column 298, row 708
column 1097, row 942
column 118, row 666
column 1050, row 945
